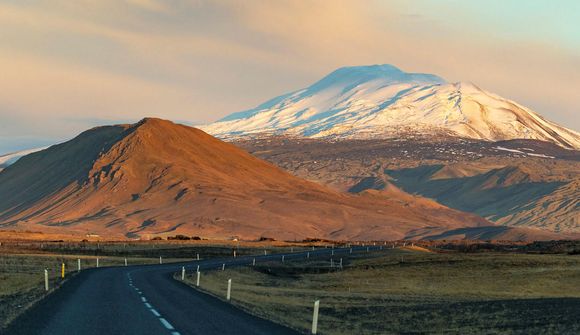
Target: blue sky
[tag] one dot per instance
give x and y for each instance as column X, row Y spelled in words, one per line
column 69, row 65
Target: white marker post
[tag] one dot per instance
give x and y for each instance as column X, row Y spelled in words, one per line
column 79, row 264
column 223, row 266
column 125, row 261
column 254, row 262
column 160, row 260
column 315, row 317
column 331, row 263
column 198, row 268
column 282, row 258
column 234, row 254
column 198, row 257
column 46, row 280
column 312, row 248
column 341, row 263
column 228, row 295
column 197, row 281
column 97, row 261
column 265, row 253
column 308, row 255
column 183, row 273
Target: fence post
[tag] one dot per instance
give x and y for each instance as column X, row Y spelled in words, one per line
column 228, row 295
column 45, row 279
column 315, row 317
column 197, row 281
column 183, row 273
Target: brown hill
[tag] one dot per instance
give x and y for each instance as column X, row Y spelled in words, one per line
column 157, row 177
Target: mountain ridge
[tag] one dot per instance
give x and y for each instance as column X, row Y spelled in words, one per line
column 157, row 177
column 381, row 101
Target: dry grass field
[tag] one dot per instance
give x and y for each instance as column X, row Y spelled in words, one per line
column 412, row 292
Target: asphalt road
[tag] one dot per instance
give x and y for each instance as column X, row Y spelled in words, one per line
column 147, row 300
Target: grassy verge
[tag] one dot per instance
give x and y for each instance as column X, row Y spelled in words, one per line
column 402, row 291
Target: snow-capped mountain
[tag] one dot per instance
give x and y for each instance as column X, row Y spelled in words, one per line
column 381, row 101
column 11, row 158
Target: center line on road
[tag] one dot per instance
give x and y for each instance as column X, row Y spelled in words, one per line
column 143, row 299
column 148, row 305
column 156, row 313
column 166, row 324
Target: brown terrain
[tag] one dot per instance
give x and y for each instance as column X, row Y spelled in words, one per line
column 518, row 183
column 157, row 178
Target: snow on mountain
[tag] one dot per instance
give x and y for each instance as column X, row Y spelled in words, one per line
column 381, row 101
column 11, row 158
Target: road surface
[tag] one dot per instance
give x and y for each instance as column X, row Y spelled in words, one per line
column 147, row 299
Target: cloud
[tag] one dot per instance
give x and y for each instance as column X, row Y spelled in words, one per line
column 200, row 60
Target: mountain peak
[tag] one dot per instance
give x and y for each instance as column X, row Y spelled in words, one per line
column 382, row 101
column 129, row 181
column 386, row 73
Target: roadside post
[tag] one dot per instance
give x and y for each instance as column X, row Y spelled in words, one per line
column 62, row 271
column 79, row 264
column 183, row 273
column 125, row 261
column 97, row 261
column 46, row 280
column 229, row 293
column 254, row 262
column 315, row 317
column 198, row 257
column 223, row 267
column 197, row 281
column 160, row 260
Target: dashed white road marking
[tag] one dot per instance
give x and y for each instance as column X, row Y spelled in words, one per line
column 163, row 321
column 166, row 323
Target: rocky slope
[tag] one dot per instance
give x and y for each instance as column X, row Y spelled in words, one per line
column 519, row 183
column 156, row 177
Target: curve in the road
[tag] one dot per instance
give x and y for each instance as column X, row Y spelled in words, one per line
column 147, row 300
